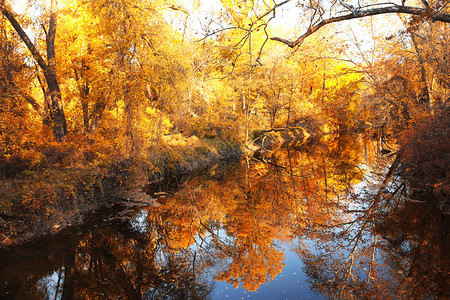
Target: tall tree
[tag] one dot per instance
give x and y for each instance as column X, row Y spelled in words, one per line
column 57, row 118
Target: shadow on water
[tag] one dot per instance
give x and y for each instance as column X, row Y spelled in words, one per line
column 337, row 206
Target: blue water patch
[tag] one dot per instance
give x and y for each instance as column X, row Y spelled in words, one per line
column 289, row 284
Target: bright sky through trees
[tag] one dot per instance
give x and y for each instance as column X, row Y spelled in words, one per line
column 286, row 23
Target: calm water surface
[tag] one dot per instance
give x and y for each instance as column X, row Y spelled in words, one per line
column 327, row 219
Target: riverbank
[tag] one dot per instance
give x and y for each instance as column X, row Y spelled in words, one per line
column 39, row 202
column 427, row 160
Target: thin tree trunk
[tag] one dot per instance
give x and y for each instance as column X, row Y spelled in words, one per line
column 69, row 276
column 425, row 94
column 84, row 89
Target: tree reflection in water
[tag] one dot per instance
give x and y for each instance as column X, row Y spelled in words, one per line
column 393, row 243
column 113, row 261
column 240, row 220
column 371, row 241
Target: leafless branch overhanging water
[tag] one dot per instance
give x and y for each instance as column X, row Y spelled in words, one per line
column 366, row 11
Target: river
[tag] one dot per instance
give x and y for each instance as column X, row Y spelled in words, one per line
column 327, row 219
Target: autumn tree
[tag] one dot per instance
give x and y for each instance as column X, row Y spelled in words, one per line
column 56, row 118
column 21, row 113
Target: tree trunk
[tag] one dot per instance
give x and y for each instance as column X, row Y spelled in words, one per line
column 130, row 113
column 57, row 111
column 69, row 276
column 425, row 95
column 84, row 90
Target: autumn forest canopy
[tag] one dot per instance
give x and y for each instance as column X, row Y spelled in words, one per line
column 88, row 81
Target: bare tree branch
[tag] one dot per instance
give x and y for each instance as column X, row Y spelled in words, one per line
column 273, row 9
column 366, row 12
column 220, row 30
column 178, row 8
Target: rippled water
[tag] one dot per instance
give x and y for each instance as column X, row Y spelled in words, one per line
column 327, row 219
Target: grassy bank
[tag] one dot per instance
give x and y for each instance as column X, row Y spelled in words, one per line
column 41, row 201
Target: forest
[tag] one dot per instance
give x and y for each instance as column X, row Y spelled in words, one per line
column 100, row 93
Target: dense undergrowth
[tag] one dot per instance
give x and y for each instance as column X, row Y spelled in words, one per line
column 427, row 159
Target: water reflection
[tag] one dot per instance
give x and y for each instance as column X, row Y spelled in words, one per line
column 351, row 220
